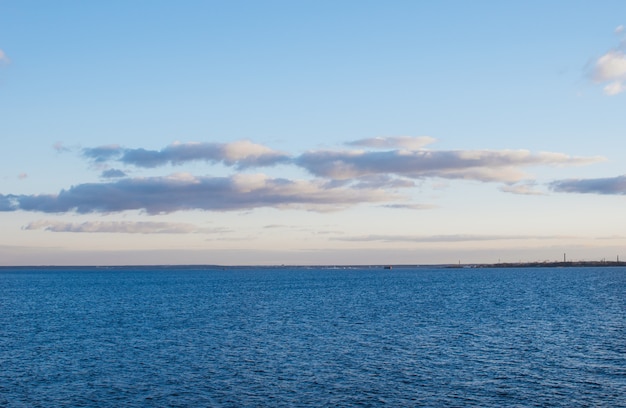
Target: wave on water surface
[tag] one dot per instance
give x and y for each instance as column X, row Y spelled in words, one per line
column 286, row 336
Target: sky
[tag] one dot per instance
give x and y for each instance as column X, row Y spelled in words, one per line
column 311, row 132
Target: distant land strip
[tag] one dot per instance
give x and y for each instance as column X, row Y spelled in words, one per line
column 532, row 264
column 558, row 264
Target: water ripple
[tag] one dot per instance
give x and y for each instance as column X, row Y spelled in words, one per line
column 297, row 337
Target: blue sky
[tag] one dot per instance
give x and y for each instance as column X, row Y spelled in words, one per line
column 311, row 132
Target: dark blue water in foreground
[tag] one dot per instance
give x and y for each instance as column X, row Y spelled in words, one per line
column 313, row 337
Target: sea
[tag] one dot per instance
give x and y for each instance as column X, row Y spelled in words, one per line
column 312, row 337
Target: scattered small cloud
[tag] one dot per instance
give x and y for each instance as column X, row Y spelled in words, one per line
column 22, row 176
column 124, row 227
column 611, row 237
column 610, row 68
column 410, row 206
column 614, row 88
column 274, row 226
column 113, row 173
column 439, row 238
column 403, row 142
column 608, row 185
column 528, row 188
column 3, row 58
column 60, row 147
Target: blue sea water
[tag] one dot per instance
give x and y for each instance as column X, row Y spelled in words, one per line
column 141, row 337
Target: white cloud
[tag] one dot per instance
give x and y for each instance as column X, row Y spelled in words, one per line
column 614, row 88
column 3, row 57
column 246, row 150
column 60, row 147
column 521, row 188
column 404, row 142
column 611, row 68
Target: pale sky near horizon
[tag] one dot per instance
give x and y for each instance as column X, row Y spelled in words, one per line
column 312, row 132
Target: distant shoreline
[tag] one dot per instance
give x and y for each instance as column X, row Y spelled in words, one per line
column 560, row 264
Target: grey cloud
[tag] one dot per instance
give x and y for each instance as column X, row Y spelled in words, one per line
column 609, row 185
column 241, row 154
column 482, row 165
column 8, row 202
column 185, row 192
column 113, row 173
column 103, row 153
column 144, row 158
column 126, row 227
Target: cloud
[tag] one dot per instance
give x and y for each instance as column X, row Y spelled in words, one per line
column 439, row 238
column 614, row 88
column 103, row 153
column 481, row 165
column 241, row 154
column 383, row 181
column 125, row 227
column 22, row 176
column 360, row 169
column 3, row 58
column 183, row 191
column 8, row 202
column 521, row 188
column 405, row 142
column 113, row 173
column 342, row 178
column 610, row 68
column 609, row 185
column 272, row 226
column 410, row 206
column 60, row 148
